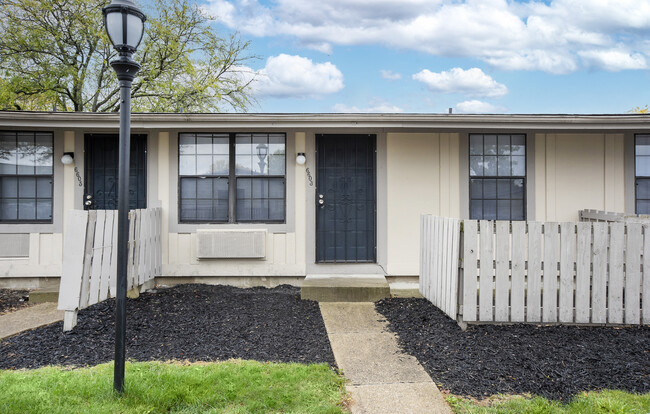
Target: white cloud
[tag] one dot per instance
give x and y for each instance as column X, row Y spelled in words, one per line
column 478, row 107
column 614, row 60
column 560, row 36
column 297, row 77
column 390, row 75
column 471, row 82
column 378, row 108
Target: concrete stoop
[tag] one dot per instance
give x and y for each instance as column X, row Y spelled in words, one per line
column 44, row 295
column 345, row 288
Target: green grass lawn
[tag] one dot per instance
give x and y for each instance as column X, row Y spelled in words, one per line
column 587, row 403
column 156, row 387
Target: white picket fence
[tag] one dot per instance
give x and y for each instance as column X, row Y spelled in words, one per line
column 90, row 257
column 532, row 272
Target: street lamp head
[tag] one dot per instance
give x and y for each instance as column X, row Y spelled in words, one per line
column 124, row 24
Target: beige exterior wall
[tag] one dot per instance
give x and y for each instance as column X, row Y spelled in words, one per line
column 423, row 178
column 578, row 171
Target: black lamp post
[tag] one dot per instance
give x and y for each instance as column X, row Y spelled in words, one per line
column 124, row 24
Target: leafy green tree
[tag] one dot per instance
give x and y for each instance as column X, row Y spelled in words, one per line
column 55, row 53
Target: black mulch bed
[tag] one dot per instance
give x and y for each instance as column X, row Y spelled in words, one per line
column 13, row 299
column 187, row 322
column 556, row 362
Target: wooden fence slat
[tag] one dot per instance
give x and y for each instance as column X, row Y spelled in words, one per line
column 616, row 276
column 549, row 294
column 455, row 249
column 134, row 222
column 76, row 225
column 518, row 291
column 88, row 255
column 633, row 273
column 424, row 248
column 646, row 275
column 446, row 274
column 439, row 259
column 107, row 253
column 428, row 258
column 599, row 277
column 486, row 283
column 502, row 294
column 97, row 256
column 470, row 266
column 142, row 251
column 534, row 287
column 112, row 284
column 583, row 272
column 567, row 262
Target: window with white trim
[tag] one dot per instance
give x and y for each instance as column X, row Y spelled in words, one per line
column 232, row 177
column 497, row 176
column 26, row 176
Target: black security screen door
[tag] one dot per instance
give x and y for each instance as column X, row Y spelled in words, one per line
column 101, row 172
column 345, row 199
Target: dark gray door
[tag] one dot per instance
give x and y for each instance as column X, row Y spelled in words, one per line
column 101, row 172
column 345, row 199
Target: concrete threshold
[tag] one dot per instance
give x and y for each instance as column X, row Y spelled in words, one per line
column 381, row 378
column 345, row 288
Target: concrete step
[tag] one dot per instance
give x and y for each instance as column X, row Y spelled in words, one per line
column 345, row 288
column 44, row 295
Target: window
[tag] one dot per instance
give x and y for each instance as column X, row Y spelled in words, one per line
column 210, row 162
column 497, row 177
column 26, row 160
column 642, row 173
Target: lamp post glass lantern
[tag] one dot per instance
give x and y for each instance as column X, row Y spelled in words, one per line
column 124, row 24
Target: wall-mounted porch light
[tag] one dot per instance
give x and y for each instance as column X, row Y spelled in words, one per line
column 67, row 158
column 301, row 159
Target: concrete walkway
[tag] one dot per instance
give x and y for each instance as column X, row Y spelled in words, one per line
column 382, row 379
column 29, row 318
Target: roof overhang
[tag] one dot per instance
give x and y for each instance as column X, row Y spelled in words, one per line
column 110, row 121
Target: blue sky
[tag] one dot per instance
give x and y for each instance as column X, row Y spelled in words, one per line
column 425, row 56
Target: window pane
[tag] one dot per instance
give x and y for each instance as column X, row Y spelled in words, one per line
column 489, row 189
column 188, row 209
column 517, row 210
column 260, row 209
column 204, row 188
column 204, row 164
column 43, row 209
column 188, row 188
column 489, row 209
column 7, row 153
column 476, row 210
column 476, row 166
column 221, row 144
column 490, row 144
column 476, row 144
column 244, row 188
column 517, row 188
column 243, row 144
column 503, row 209
column 260, row 188
column 504, row 166
column 276, row 209
column 476, row 188
column 276, row 163
column 243, row 210
column 643, row 188
column 9, row 187
column 204, row 144
column 27, row 187
column 27, row 209
column 518, row 146
column 503, row 189
column 220, row 164
column 642, row 145
column 276, row 188
column 9, row 209
column 187, row 165
column 643, row 166
column 490, row 165
column 220, row 189
column 518, row 166
column 187, row 144
column 203, row 210
column 244, row 165
column 44, row 187
column 503, row 144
